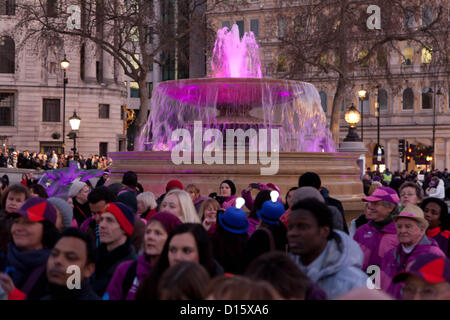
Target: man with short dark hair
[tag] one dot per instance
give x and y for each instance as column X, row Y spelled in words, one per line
column 130, row 181
column 330, row 258
column 116, row 226
column 74, row 248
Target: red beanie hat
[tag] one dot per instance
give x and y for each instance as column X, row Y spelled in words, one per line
column 123, row 214
column 174, row 184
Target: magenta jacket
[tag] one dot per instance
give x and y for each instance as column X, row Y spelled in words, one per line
column 229, row 202
column 397, row 259
column 375, row 243
column 115, row 289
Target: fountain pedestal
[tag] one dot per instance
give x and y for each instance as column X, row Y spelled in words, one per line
column 339, row 173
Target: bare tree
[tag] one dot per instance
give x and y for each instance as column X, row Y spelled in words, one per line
column 339, row 37
column 136, row 33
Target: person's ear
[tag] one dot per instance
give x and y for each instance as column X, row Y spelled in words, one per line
column 89, row 270
column 324, row 231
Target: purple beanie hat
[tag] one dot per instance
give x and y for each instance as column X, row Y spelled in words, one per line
column 168, row 220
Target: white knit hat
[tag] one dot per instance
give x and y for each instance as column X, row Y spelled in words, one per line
column 76, row 186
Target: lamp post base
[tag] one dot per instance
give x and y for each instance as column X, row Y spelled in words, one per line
column 352, row 135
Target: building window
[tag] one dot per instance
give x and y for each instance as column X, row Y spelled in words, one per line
column 254, row 27
column 134, row 89
column 365, row 104
column 427, row 99
column 409, row 18
column 103, row 149
column 361, row 55
column 382, row 99
column 82, row 61
column 226, row 24
column 408, row 99
column 51, row 110
column 408, row 56
column 7, row 55
column 382, row 57
column 52, row 8
column 323, row 100
column 6, row 109
column 427, row 55
column 99, row 71
column 7, row 7
column 281, row 27
column 427, row 16
column 103, row 111
column 241, row 25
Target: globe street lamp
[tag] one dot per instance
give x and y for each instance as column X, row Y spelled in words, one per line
column 65, row 64
column 75, row 125
column 362, row 95
column 352, row 117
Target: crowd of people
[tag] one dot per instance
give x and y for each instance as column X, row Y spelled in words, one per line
column 131, row 244
column 49, row 161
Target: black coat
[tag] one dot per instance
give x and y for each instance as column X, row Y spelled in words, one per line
column 80, row 211
column 85, row 292
column 106, row 263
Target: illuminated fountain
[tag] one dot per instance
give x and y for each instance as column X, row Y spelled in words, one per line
column 236, row 96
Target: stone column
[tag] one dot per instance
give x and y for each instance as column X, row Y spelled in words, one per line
column 89, row 64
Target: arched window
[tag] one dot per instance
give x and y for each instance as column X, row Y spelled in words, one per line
column 323, row 100
column 427, row 16
column 427, row 99
column 408, row 99
column 382, row 99
column 408, row 56
column 409, row 18
column 7, row 55
column 427, row 54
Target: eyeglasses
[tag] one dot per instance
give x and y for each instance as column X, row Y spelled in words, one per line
column 424, row 293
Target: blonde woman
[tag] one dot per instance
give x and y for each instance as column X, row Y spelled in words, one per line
column 146, row 204
column 179, row 203
column 208, row 213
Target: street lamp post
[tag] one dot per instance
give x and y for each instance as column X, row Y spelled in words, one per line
column 362, row 95
column 75, row 125
column 352, row 117
column 64, row 66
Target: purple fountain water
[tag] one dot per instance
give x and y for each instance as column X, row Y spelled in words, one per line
column 236, row 96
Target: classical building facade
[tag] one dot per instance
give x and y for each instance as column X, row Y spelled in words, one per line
column 406, row 106
column 32, row 98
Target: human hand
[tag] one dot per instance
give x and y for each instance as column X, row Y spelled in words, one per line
column 7, row 283
column 207, row 223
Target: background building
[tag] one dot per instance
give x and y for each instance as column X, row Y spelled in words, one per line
column 406, row 106
column 31, row 93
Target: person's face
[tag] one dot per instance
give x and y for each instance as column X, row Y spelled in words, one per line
column 432, row 212
column 225, row 190
column 141, row 207
column 210, row 213
column 183, row 247
column 172, row 204
column 96, row 209
column 154, row 238
column 68, row 251
column 304, row 234
column 59, row 224
column 376, row 211
column 408, row 231
column 109, row 229
column 408, row 196
column 26, row 234
column 193, row 194
column 14, row 201
column 82, row 196
column 289, row 198
column 418, row 289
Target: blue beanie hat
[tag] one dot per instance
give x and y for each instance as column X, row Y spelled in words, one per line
column 270, row 211
column 128, row 198
column 234, row 220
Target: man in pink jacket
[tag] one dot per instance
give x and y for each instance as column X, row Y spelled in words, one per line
column 379, row 235
column 413, row 242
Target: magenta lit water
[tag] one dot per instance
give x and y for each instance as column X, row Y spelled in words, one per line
column 235, row 95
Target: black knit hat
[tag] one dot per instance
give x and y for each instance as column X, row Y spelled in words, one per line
column 232, row 186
